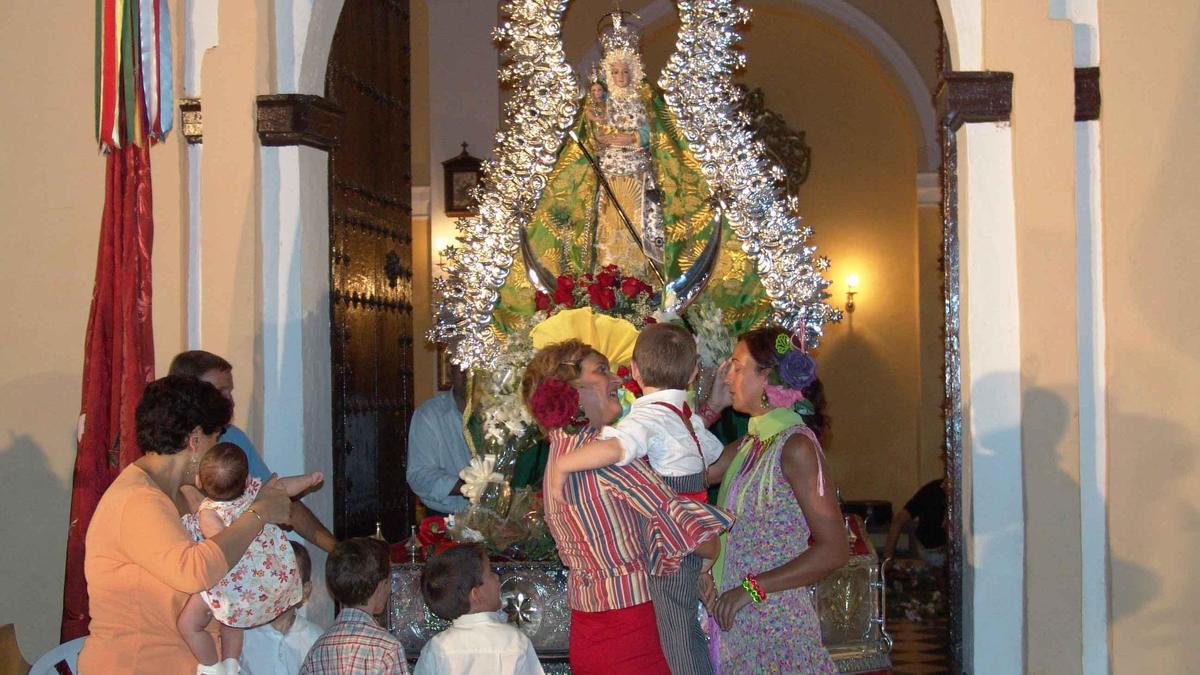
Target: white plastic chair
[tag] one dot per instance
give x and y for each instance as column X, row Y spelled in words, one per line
column 67, row 651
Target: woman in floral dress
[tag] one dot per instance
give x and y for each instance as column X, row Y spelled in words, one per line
column 789, row 533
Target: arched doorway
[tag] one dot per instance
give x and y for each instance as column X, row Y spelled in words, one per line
column 370, row 249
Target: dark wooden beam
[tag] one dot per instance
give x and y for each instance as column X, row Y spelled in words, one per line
column 966, row 97
column 298, row 119
column 1087, row 94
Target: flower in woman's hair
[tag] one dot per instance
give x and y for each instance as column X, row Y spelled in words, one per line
column 783, row 344
column 797, row 369
column 782, row 396
column 554, row 403
column 542, row 300
column 564, row 291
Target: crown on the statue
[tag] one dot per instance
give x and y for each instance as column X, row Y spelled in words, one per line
column 620, row 36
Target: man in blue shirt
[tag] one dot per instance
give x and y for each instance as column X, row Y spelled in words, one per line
column 437, row 450
column 218, row 372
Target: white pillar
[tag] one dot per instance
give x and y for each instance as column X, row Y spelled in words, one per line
column 994, row 517
column 297, row 426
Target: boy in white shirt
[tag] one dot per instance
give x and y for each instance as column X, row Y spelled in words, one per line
column 661, row 427
column 459, row 585
column 278, row 648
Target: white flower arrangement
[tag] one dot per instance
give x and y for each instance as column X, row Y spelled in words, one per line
column 713, row 342
column 501, row 409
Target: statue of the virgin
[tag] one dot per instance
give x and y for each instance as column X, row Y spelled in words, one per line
column 626, row 190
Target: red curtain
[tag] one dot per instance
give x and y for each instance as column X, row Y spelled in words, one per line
column 118, row 358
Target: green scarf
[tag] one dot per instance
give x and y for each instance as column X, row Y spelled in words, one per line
column 763, row 428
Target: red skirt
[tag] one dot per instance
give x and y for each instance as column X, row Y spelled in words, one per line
column 617, row 641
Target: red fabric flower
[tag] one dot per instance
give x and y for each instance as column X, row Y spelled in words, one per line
column 554, row 403
column 605, row 279
column 564, row 291
column 602, row 296
column 612, row 270
column 542, row 300
column 623, row 372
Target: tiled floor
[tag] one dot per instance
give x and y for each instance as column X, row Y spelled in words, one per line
column 920, row 648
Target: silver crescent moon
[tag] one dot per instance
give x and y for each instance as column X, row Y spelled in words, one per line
column 538, row 275
column 688, row 285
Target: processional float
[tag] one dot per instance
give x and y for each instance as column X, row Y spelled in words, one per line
column 719, row 245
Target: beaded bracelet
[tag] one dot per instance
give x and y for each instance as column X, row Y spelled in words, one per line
column 750, row 583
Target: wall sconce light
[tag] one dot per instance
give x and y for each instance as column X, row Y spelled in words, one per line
column 439, row 250
column 851, row 291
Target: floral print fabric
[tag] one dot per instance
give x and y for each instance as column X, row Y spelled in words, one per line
column 782, row 634
column 264, row 582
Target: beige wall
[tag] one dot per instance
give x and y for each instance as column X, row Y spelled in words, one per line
column 52, row 192
column 424, row 357
column 1149, row 145
column 234, row 73
column 418, row 29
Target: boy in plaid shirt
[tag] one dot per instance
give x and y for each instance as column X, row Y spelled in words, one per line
column 357, row 576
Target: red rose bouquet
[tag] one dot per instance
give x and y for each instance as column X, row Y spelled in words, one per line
column 607, row 291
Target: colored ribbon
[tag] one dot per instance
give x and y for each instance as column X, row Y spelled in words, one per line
column 134, row 87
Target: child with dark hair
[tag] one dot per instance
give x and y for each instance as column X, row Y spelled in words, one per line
column 262, row 585
column 279, row 647
column 357, row 574
column 459, row 585
column 662, row 428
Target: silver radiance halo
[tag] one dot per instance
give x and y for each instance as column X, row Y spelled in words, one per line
column 698, row 88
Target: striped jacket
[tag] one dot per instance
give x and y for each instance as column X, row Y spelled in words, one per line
column 619, row 524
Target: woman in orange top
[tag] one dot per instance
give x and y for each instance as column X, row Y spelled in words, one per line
column 141, row 565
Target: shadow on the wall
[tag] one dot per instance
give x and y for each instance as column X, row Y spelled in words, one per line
column 1164, row 496
column 33, row 540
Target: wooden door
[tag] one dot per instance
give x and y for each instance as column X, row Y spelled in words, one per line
column 370, row 244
